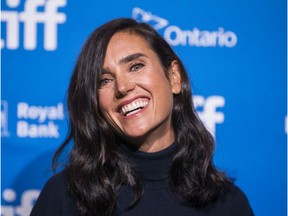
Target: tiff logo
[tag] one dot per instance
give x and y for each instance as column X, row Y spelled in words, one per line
column 4, row 119
column 27, row 201
column 30, row 18
column 210, row 115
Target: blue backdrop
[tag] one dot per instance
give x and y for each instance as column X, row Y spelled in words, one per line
column 235, row 52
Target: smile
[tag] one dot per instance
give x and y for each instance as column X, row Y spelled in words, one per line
column 133, row 107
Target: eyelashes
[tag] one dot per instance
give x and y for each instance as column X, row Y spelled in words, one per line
column 104, row 81
column 136, row 66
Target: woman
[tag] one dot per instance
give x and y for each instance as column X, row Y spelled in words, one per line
column 139, row 147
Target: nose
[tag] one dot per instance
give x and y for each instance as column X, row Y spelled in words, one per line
column 123, row 85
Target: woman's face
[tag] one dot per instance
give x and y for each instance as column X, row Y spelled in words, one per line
column 136, row 95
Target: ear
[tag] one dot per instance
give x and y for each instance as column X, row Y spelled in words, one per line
column 175, row 77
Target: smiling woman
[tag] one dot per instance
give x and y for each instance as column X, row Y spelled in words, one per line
column 139, row 147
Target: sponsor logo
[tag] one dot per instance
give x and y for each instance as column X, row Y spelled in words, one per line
column 35, row 12
column 38, row 121
column 195, row 37
column 147, row 17
column 27, row 201
column 207, row 109
column 4, row 119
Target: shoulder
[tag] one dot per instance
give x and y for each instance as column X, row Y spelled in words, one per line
column 56, row 186
column 232, row 201
column 58, row 181
column 54, row 198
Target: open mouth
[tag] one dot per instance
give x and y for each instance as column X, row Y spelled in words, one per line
column 133, row 107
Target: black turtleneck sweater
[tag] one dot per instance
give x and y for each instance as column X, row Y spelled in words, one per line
column 157, row 199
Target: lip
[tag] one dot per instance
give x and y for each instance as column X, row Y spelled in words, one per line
column 129, row 101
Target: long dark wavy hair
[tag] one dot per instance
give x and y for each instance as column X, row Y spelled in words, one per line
column 95, row 170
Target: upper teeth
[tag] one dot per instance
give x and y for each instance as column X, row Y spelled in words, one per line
column 133, row 106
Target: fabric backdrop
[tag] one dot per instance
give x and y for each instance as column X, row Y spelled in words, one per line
column 234, row 51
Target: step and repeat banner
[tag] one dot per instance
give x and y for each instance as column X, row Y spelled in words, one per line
column 234, row 51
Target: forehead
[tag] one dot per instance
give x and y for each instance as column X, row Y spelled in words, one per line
column 125, row 43
column 122, row 38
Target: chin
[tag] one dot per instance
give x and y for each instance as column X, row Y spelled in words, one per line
column 135, row 135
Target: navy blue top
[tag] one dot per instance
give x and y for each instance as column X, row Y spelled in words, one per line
column 157, row 198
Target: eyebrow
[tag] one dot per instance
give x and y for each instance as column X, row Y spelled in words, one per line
column 130, row 58
column 124, row 60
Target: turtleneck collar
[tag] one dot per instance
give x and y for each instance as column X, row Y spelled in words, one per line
column 151, row 166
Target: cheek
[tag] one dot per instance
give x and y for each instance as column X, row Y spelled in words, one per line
column 103, row 102
column 153, row 79
column 162, row 85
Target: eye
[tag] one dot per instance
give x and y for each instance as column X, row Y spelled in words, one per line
column 136, row 67
column 104, row 81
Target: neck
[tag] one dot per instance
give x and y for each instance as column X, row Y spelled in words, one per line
column 155, row 141
column 151, row 166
